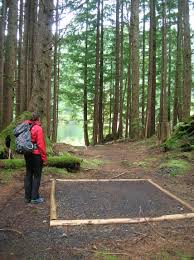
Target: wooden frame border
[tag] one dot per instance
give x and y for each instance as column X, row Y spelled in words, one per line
column 58, row 222
column 99, row 180
column 171, row 195
column 53, row 209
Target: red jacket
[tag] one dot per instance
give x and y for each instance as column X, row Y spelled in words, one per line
column 37, row 137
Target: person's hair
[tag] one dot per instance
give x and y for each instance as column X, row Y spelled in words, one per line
column 35, row 116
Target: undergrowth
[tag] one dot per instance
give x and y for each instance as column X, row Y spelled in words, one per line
column 91, row 164
column 105, row 255
column 6, row 175
column 175, row 166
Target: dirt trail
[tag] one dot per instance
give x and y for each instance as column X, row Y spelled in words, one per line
column 25, row 231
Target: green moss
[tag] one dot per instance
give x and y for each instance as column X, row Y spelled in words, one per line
column 53, row 161
column 91, row 164
column 12, row 163
column 143, row 164
column 55, row 170
column 182, row 137
column 9, row 131
column 105, row 255
column 176, row 167
column 65, row 158
column 6, row 175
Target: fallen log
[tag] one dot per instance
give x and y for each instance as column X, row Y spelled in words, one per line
column 71, row 163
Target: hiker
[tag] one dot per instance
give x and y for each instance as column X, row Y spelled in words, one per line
column 35, row 162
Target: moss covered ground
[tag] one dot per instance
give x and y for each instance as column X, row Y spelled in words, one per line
column 182, row 137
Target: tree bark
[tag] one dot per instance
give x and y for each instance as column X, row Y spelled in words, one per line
column 117, row 74
column 2, row 39
column 128, row 109
column 55, row 76
column 101, row 75
column 86, row 138
column 135, row 68
column 42, row 64
column 10, row 63
column 187, row 70
column 20, row 80
column 178, row 97
column 164, row 129
column 97, row 79
column 120, row 129
column 150, row 113
column 143, row 73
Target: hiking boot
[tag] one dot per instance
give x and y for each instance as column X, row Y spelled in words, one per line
column 37, row 201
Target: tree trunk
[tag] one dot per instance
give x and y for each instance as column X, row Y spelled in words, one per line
column 128, row 109
column 97, row 79
column 164, row 129
column 117, row 74
column 20, row 80
column 150, row 113
column 187, row 70
column 86, row 138
column 178, row 105
column 101, row 76
column 23, row 97
column 143, row 74
column 10, row 63
column 33, row 50
column 2, row 38
column 120, row 129
column 135, row 68
column 55, row 87
column 169, row 64
column 43, row 62
column 110, row 97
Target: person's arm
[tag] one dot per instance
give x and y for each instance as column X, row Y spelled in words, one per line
column 41, row 144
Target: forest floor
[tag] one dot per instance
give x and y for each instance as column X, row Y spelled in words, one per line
column 25, row 232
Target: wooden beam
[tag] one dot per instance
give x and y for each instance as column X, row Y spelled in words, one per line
column 53, row 209
column 172, row 195
column 99, row 180
column 77, row 222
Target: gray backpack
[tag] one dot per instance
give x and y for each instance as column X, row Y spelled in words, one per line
column 23, row 141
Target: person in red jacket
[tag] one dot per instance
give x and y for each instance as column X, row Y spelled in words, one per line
column 34, row 162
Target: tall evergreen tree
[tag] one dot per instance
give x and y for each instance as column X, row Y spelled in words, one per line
column 2, row 39
column 163, row 121
column 101, row 74
column 55, row 76
column 135, row 68
column 86, row 138
column 20, row 70
column 120, row 129
column 117, row 73
column 150, row 113
column 10, row 63
column 178, row 93
column 97, row 79
column 187, row 70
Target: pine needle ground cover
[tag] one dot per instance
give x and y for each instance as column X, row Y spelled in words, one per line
column 113, row 199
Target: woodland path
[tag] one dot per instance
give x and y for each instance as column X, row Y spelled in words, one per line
column 25, row 231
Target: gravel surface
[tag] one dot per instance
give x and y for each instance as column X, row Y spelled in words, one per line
column 97, row 200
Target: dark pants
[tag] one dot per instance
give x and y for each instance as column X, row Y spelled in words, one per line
column 32, row 179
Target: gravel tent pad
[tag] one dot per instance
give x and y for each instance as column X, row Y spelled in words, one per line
column 114, row 199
